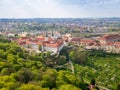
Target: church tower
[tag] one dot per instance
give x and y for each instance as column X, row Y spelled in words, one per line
column 46, row 36
column 52, row 34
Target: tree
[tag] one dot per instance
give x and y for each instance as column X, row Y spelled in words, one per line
column 11, row 58
column 11, row 85
column 3, row 54
column 118, row 87
column 66, row 77
column 49, row 78
column 78, row 56
column 8, row 69
column 14, row 48
column 68, row 87
column 92, row 82
column 16, row 67
column 2, row 65
column 5, row 71
column 24, row 75
column 40, row 47
column 31, row 87
column 7, row 82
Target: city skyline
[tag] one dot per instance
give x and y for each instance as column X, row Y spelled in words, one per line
column 59, row 8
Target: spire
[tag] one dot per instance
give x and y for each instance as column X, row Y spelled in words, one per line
column 52, row 34
column 46, row 35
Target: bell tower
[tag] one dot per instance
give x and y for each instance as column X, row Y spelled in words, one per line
column 46, row 36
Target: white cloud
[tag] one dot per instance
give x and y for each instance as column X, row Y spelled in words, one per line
column 38, row 8
column 55, row 9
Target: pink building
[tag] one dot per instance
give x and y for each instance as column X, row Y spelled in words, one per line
column 54, row 46
column 47, row 43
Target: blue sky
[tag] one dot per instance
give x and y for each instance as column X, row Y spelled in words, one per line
column 59, row 8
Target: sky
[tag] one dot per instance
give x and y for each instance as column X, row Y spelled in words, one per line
column 59, row 8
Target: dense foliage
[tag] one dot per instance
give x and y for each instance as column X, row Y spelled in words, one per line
column 98, row 64
column 21, row 70
column 106, row 68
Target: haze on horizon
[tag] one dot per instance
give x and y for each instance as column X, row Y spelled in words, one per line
column 59, row 8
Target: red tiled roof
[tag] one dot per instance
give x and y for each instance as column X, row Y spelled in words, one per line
column 115, row 44
column 109, row 37
column 87, row 40
column 75, row 39
column 21, row 43
column 40, row 39
column 54, row 44
column 23, row 38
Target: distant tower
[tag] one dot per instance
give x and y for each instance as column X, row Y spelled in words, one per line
column 52, row 34
column 46, row 36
